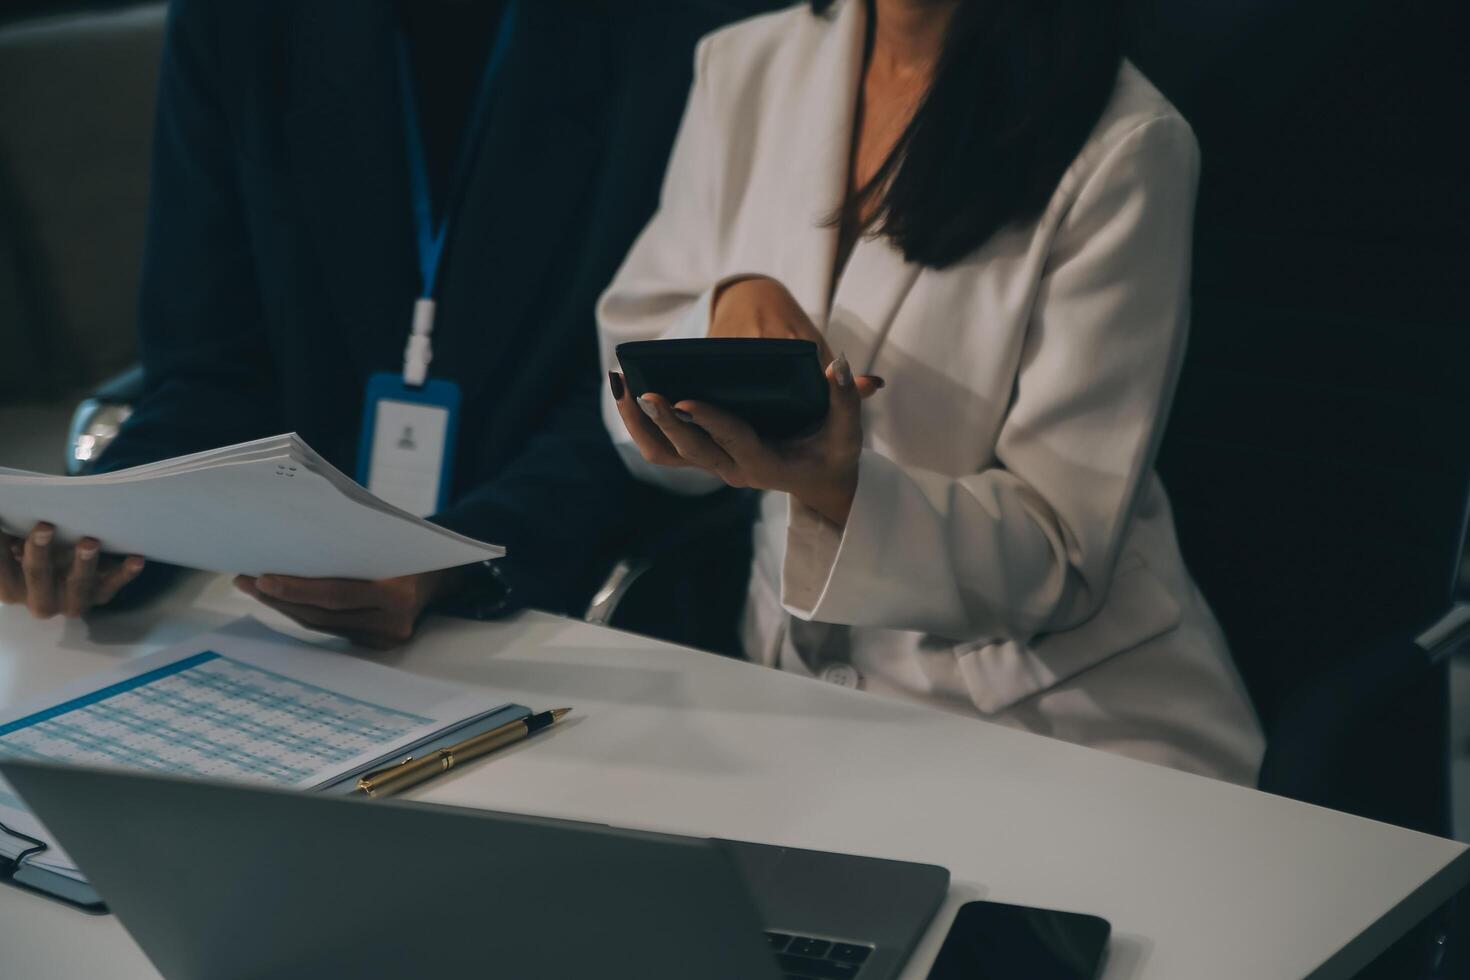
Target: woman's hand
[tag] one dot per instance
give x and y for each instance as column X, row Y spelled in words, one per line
column 380, row 615
column 762, row 307
column 49, row 579
column 820, row 470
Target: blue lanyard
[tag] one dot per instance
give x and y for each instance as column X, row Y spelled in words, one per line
column 430, row 237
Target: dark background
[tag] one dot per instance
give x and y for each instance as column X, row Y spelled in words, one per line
column 1317, row 456
column 1318, row 453
column 1318, row 450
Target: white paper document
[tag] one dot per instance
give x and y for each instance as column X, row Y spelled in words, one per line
column 270, row 506
column 243, row 704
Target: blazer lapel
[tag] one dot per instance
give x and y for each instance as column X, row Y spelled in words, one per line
column 344, row 144
column 872, row 289
column 877, row 278
column 540, row 145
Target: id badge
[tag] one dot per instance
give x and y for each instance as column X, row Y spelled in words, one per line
column 406, row 453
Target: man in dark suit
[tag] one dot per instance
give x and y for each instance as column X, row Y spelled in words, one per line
column 284, row 254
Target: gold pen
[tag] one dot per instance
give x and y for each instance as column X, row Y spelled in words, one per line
column 411, row 771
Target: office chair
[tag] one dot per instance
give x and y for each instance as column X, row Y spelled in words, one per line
column 1317, row 456
column 683, row 575
column 1325, row 523
column 1326, row 526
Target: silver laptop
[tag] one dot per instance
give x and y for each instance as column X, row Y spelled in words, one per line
column 220, row 881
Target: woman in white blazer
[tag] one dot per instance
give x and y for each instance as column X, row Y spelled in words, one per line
column 981, row 204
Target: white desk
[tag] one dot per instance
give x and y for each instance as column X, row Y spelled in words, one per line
column 1201, row 880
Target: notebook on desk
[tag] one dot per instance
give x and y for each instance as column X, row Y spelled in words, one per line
column 243, row 704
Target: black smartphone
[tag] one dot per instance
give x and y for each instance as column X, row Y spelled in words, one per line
column 990, row 941
column 777, row 386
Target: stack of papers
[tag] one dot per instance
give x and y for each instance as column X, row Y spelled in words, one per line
column 243, row 704
column 269, row 506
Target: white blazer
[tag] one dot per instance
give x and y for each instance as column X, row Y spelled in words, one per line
column 1010, row 551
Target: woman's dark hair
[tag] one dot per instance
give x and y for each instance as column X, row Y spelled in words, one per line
column 1018, row 88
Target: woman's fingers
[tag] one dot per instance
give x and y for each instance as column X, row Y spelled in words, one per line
column 646, row 435
column 869, row 385
column 732, row 436
column 845, row 416
column 40, row 576
column 690, row 441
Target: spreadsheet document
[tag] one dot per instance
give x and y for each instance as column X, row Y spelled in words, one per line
column 209, row 715
column 243, row 704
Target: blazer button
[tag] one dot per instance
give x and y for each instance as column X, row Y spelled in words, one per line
column 843, row 675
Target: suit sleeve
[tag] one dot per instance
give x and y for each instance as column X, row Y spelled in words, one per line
column 566, row 504
column 208, row 377
column 1028, row 546
column 560, row 507
column 666, row 284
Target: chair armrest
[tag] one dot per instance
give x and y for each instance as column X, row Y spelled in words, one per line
column 122, row 388
column 96, row 421
column 1449, row 636
column 624, row 573
column 684, row 526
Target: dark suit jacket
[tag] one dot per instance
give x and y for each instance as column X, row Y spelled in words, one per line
column 280, row 269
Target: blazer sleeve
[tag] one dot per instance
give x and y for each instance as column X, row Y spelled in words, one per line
column 1029, row 546
column 667, row 283
column 208, row 376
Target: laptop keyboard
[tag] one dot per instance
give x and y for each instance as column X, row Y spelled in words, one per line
column 804, row 958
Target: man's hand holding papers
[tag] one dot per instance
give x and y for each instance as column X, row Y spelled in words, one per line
column 380, row 614
column 48, row 578
column 302, row 537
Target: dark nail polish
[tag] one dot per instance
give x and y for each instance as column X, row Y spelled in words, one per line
column 682, row 415
column 615, row 382
column 877, row 381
